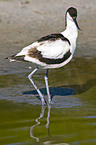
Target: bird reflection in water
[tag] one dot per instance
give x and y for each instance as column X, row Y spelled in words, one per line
column 38, row 122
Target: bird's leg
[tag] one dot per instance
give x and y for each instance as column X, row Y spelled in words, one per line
column 47, row 87
column 40, row 94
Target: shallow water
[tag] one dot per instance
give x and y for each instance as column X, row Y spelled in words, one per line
column 70, row 120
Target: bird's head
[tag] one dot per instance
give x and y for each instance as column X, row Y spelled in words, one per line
column 71, row 14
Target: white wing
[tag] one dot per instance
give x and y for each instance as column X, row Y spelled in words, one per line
column 53, row 49
column 49, row 49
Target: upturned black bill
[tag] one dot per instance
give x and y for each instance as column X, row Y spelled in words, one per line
column 76, row 23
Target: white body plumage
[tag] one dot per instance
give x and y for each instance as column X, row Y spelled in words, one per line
column 54, row 49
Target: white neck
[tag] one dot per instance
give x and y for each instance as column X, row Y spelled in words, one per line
column 71, row 31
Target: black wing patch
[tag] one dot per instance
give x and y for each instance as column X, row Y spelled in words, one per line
column 55, row 61
column 54, row 37
column 37, row 54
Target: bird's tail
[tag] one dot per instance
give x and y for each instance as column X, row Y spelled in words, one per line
column 16, row 58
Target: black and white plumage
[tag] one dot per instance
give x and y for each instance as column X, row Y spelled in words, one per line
column 51, row 51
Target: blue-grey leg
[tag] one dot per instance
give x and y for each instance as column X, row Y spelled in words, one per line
column 40, row 94
column 47, row 87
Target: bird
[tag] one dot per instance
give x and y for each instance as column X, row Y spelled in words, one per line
column 52, row 51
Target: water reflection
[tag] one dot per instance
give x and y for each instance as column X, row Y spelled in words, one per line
column 38, row 122
column 51, row 143
column 32, row 128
